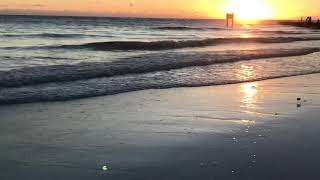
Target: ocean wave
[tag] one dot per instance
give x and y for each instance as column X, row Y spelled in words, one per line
column 185, row 28
column 51, row 35
column 281, row 32
column 137, row 65
column 46, row 35
column 189, row 77
column 166, row 45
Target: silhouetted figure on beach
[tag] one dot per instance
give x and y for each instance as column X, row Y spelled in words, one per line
column 318, row 22
column 309, row 19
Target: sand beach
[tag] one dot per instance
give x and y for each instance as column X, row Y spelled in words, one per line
column 260, row 130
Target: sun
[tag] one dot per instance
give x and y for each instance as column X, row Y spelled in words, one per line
column 250, row 10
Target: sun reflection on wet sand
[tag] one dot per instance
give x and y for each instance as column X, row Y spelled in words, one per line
column 249, row 93
column 245, row 35
column 249, row 90
column 245, row 122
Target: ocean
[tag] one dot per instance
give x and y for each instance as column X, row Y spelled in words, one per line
column 63, row 58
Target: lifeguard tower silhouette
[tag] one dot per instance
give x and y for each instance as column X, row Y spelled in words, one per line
column 230, row 16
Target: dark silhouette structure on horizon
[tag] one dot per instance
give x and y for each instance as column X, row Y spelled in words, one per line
column 308, row 23
column 230, row 16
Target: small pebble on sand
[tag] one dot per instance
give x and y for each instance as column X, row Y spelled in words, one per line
column 105, row 168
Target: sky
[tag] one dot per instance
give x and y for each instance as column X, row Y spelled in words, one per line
column 246, row 9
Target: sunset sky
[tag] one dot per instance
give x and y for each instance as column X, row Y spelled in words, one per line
column 258, row 9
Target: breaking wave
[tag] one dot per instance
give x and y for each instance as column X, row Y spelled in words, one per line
column 216, row 74
column 137, row 65
column 166, row 45
column 185, row 28
column 51, row 35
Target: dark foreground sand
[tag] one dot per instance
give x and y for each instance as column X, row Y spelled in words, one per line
column 255, row 131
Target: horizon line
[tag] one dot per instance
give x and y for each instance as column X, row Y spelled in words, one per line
column 133, row 17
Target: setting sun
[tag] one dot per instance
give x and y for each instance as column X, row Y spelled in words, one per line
column 250, row 10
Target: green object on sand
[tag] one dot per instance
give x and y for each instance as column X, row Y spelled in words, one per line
column 104, row 168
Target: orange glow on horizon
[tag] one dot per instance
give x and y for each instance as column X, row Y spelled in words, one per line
column 244, row 9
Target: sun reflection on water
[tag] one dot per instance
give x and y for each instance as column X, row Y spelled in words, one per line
column 245, row 72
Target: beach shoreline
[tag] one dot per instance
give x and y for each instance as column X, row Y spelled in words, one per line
column 257, row 130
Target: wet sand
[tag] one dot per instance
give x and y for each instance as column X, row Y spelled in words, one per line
column 244, row 131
